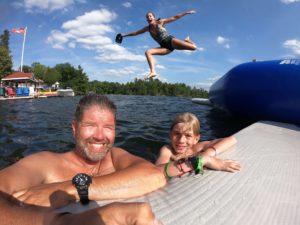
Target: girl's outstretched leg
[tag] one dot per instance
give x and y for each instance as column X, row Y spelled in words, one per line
column 151, row 61
column 187, row 44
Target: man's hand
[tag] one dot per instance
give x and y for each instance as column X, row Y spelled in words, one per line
column 138, row 213
column 48, row 195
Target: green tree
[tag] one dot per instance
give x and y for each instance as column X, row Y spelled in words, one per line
column 39, row 70
column 51, row 76
column 142, row 87
column 27, row 69
column 67, row 72
column 5, row 57
column 4, row 40
column 80, row 82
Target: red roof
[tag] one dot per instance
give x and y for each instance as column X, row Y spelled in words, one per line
column 19, row 76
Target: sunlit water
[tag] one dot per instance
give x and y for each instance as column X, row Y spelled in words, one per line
column 32, row 125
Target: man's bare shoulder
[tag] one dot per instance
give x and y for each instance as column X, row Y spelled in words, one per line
column 32, row 170
column 42, row 160
column 41, row 157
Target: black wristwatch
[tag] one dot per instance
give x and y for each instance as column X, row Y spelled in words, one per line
column 82, row 182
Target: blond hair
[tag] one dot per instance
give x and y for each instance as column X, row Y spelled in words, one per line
column 188, row 118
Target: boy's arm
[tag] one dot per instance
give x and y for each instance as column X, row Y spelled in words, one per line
column 218, row 146
column 164, row 155
column 182, row 166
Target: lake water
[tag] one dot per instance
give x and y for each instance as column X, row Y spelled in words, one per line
column 32, row 125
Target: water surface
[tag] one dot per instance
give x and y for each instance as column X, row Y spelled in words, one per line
column 32, row 125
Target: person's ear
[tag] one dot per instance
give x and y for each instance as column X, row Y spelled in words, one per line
column 197, row 138
column 73, row 127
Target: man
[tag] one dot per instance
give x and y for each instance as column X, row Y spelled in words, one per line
column 94, row 170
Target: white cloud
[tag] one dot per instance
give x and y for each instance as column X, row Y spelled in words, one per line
column 159, row 66
column 206, row 84
column 234, row 61
column 289, row 1
column 48, row 5
column 120, row 72
column 294, row 45
column 201, row 49
column 202, row 85
column 214, row 78
column 223, row 41
column 91, row 31
column 127, row 4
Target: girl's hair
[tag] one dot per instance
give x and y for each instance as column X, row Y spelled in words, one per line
column 151, row 13
column 189, row 119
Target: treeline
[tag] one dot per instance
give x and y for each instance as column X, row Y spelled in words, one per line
column 69, row 76
column 151, row 87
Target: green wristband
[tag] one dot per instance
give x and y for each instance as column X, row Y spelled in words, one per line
column 200, row 165
column 166, row 170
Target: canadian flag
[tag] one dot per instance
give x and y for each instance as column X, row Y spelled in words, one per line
column 20, row 30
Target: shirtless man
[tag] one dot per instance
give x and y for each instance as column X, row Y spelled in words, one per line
column 167, row 42
column 94, row 170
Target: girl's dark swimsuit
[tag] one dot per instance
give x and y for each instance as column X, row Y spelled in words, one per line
column 162, row 38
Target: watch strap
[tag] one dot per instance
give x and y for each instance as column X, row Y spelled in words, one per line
column 83, row 192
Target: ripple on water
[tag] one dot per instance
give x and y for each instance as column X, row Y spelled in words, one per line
column 28, row 126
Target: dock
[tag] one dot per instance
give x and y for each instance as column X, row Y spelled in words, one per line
column 22, row 97
column 266, row 190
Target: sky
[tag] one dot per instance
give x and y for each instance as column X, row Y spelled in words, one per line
column 82, row 32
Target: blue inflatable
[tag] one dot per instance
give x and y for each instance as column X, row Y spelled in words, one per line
column 267, row 90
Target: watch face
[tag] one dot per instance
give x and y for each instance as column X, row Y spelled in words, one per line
column 81, row 179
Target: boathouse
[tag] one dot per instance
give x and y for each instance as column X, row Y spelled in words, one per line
column 20, row 81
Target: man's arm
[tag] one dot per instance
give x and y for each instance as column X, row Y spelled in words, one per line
column 134, row 177
column 12, row 213
column 25, row 173
column 115, row 213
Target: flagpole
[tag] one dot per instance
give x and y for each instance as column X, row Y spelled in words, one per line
column 24, row 38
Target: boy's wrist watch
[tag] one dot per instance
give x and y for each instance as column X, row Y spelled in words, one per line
column 82, row 182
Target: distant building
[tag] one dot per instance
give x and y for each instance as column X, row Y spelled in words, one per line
column 20, row 84
column 21, row 79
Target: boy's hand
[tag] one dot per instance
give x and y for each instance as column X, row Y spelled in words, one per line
column 221, row 164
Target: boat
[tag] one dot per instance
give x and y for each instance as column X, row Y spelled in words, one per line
column 65, row 92
column 266, row 90
column 47, row 93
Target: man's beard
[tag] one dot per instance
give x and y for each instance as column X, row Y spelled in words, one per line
column 91, row 156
